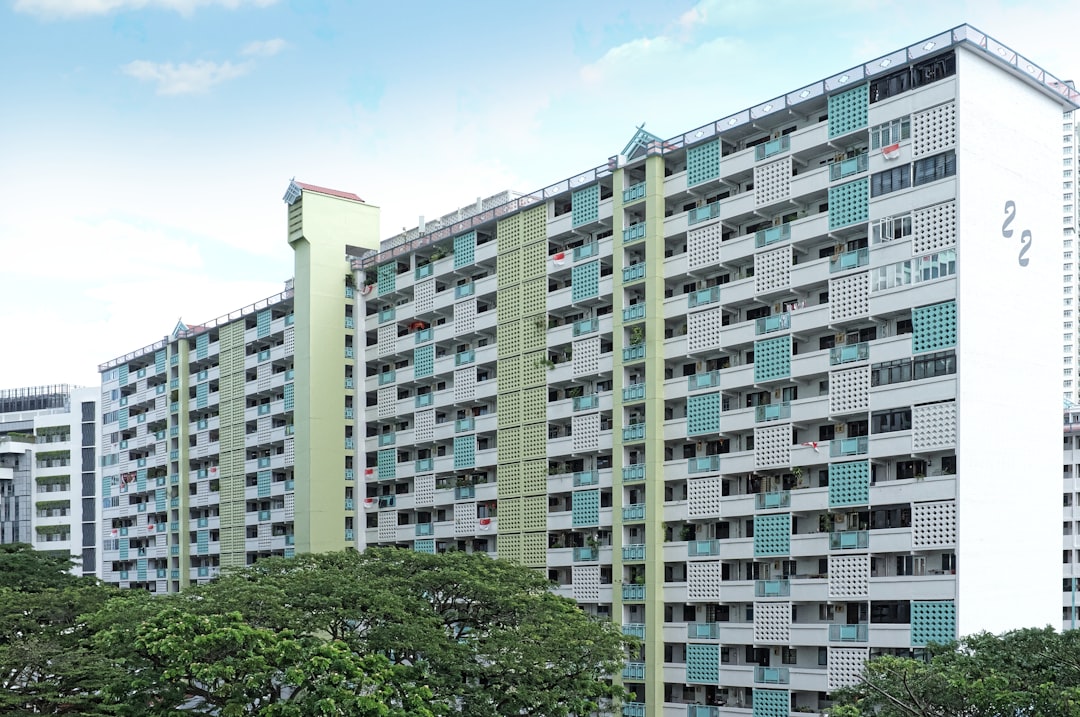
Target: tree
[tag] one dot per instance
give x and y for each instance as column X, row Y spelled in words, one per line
column 27, row 570
column 486, row 635
column 1023, row 673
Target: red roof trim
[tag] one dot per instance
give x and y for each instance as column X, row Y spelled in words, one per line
column 328, row 192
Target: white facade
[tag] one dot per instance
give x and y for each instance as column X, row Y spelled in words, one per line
column 48, row 471
column 1070, row 263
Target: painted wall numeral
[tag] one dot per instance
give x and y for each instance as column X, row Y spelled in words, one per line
column 1025, row 234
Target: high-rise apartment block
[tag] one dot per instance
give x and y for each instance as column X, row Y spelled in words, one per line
column 773, row 394
column 48, row 471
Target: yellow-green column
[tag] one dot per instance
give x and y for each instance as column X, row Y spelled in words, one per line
column 180, row 419
column 231, row 456
column 509, row 469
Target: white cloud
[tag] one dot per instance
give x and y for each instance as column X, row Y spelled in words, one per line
column 81, row 8
column 264, row 48
column 187, row 77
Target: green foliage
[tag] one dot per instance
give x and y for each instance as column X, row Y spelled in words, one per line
column 24, row 569
column 1023, row 673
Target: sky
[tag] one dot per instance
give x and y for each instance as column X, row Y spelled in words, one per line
column 145, row 145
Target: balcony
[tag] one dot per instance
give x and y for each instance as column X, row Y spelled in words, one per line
column 633, row 233
column 586, row 403
column 849, row 353
column 387, row 314
column 771, row 148
column 849, row 633
column 349, row 534
column 423, row 272
column 633, row 272
column 633, row 593
column 387, row 501
column 634, row 552
column 703, row 631
column 772, row 588
column 464, row 357
column 633, row 193
column 702, row 548
column 586, row 250
column 848, row 167
column 765, row 237
column 423, row 529
column 634, row 671
column 772, row 675
column 422, row 465
column 699, row 381
column 634, row 512
column 771, row 501
column 264, row 515
column 387, row 439
column 634, row 432
column 423, row 335
column 633, row 709
column 633, row 473
column 424, row 400
column 349, row 413
column 634, row 353
column 584, row 478
column 772, row 412
column 586, row 326
column 463, row 290
column 849, row 446
column 464, row 424
column 464, row 492
column 703, row 464
column 349, row 323
column 702, row 711
column 776, row 322
column 849, row 540
column 703, row 297
column 350, row 504
column 849, row 260
column 634, row 629
column 634, row 392
column 703, row 214
column 350, row 352
column 585, row 555
column 634, row 312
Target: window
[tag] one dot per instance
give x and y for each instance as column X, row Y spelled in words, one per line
column 890, row 132
column 891, row 180
column 882, row 374
column 891, row 228
column 934, row 168
column 942, row 363
column 897, row 419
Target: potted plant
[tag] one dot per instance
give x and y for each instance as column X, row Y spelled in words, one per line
column 637, row 336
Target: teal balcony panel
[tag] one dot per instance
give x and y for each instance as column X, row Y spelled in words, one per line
column 463, row 290
column 423, row 529
column 634, row 671
column 849, row 633
column 772, row 235
column 703, row 297
column 634, row 432
column 387, row 377
column 387, row 439
column 773, row 500
column 772, row 675
column 387, row 314
column 633, row 709
column 776, row 322
column 635, row 552
column 633, row 593
column 349, row 323
column 633, row 272
column 633, row 193
column 586, row 251
column 464, row 357
column 586, row 478
column 634, row 312
column 586, row 555
column 772, row 412
column 424, row 399
column 586, row 403
column 772, row 148
column 423, row 272
column 703, row 464
column 634, row 392
column 586, row 326
column 633, row 233
column 424, row 335
column 849, row 353
column 634, row 629
column 849, row 540
column 701, row 548
column 772, row 588
column 633, row 473
column 699, row 381
column 633, row 513
column 703, row 214
column 424, row 465
column 849, row 446
column 464, row 424
column 464, row 492
column 848, row 167
column 850, row 260
column 634, row 353
column 703, row 631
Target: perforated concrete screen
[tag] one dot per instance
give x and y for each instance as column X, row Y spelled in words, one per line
column 262, row 323
column 508, row 233
column 849, row 576
column 849, row 296
column 585, row 281
column 508, row 268
column 703, row 246
column 464, row 250
column 509, row 444
column 703, row 329
column 586, row 579
column 933, row 130
column 933, row 228
column 510, row 514
column 424, row 296
column 702, row 664
column 534, row 369
column 849, row 111
column 849, row 390
column 424, row 489
column 771, row 703
column 424, row 545
column 585, row 508
column 934, row 327
column 849, row 483
column 772, row 623
column 424, row 425
column 533, row 440
column 585, row 205
column 772, row 358
column 464, row 518
column 933, row 621
column 849, row 203
column 586, row 428
column 772, row 181
column 509, row 545
column 846, row 665
column 464, row 384
column 533, row 306
column 387, row 278
column 387, row 463
column 424, row 360
column 534, row 259
column 772, row 534
column 703, row 580
column 772, row 270
column 534, row 405
column 703, row 414
column 772, row 446
column 702, row 163
column 586, row 356
column 933, row 525
column 933, row 425
column 508, row 337
column 509, row 373
column 464, row 451
column 387, row 530
column 703, row 497
column 534, row 476
column 387, row 339
column 534, row 513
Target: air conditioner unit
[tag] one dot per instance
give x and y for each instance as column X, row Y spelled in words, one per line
column 776, row 307
column 840, row 338
column 777, row 221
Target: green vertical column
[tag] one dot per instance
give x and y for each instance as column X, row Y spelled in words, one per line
column 231, row 455
column 180, row 421
column 510, row 369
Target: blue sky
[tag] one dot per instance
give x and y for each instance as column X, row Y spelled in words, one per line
column 146, row 144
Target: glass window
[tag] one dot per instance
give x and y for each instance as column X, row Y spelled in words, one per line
column 891, row 180
column 934, row 168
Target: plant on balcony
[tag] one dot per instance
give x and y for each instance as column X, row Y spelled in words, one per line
column 637, row 336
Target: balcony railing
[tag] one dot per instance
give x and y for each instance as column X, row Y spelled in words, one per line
column 386, row 314
column 634, row 552
column 776, row 322
column 464, row 357
column 423, row 335
column 849, row 633
column 423, row 529
column 387, row 439
column 586, row 403
column 772, row 235
column 703, row 464
column 849, row 353
column 425, row 464
column 849, row 540
column 634, row 392
column 424, row 399
column 849, row 446
column 702, row 711
column 586, row 326
column 633, row 232
column 464, row 492
column 703, row 297
column 634, row 512
column 583, row 478
column 850, row 260
column 772, row 147
column 634, row 432
column 464, row 424
column 772, row 588
column 703, row 631
column 586, row 250
column 634, row 312
column 848, row 167
column 775, row 499
column 586, row 554
column 700, row 548
column 633, row 473
column 634, row 629
column 635, row 593
column 634, row 671
column 709, row 379
column 463, row 290
column 633, row 353
column 772, row 675
column 633, row 192
column 772, row 412
column 703, row 214
column 634, row 272
column 422, row 272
